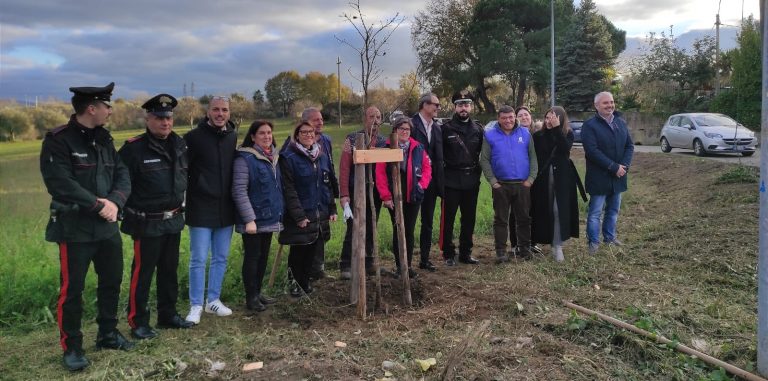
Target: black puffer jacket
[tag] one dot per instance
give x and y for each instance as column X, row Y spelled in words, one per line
column 211, row 153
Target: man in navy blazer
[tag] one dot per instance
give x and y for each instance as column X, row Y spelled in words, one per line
column 427, row 132
column 608, row 150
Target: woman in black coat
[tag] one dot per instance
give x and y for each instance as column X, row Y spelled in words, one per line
column 309, row 206
column 554, row 206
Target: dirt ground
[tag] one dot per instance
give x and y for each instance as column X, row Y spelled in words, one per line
column 686, row 271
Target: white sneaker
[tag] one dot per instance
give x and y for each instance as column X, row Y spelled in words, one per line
column 218, row 308
column 194, row 314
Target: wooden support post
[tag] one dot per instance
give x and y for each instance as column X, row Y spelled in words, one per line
column 379, row 298
column 397, row 199
column 275, row 266
column 357, row 291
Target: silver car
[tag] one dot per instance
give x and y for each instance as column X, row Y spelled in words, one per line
column 707, row 133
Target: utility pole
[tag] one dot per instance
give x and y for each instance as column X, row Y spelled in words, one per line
column 717, row 50
column 552, row 52
column 762, row 261
column 338, row 84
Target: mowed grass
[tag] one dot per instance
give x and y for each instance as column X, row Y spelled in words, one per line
column 30, row 266
column 687, row 271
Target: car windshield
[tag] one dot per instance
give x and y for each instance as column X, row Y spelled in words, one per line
column 714, row 120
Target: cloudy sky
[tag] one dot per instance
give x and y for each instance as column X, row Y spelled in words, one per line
column 227, row 46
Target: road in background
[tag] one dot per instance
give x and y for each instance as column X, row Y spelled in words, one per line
column 752, row 161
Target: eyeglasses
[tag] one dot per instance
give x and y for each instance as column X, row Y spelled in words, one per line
column 404, row 129
column 307, row 132
column 433, row 104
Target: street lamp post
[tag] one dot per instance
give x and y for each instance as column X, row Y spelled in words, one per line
column 552, row 50
column 338, row 85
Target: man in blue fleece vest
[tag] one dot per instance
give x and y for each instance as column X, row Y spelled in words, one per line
column 508, row 160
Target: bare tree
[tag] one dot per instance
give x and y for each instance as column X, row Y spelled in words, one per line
column 374, row 37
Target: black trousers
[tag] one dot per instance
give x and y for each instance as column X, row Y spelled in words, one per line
column 466, row 201
column 255, row 255
column 410, row 212
column 345, row 262
column 75, row 258
column 318, row 261
column 427, row 216
column 160, row 252
column 300, row 262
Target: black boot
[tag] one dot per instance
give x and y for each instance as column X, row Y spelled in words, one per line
column 254, row 304
column 74, row 359
column 266, row 299
column 113, row 340
column 143, row 332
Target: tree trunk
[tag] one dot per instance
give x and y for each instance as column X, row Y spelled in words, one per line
column 489, row 107
column 522, row 88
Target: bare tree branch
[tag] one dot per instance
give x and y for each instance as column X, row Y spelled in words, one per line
column 373, row 40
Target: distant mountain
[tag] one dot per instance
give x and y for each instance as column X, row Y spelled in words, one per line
column 636, row 45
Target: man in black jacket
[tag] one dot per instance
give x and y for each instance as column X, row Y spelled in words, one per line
column 462, row 142
column 210, row 211
column 157, row 161
column 428, row 132
column 88, row 184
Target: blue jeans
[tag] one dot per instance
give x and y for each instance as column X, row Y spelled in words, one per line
column 202, row 239
column 612, row 203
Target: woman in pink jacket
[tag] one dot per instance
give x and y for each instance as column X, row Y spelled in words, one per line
column 415, row 174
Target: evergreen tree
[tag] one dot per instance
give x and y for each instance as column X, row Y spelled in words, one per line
column 743, row 101
column 583, row 59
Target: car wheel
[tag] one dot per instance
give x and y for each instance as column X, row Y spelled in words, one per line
column 698, row 148
column 665, row 147
column 750, row 153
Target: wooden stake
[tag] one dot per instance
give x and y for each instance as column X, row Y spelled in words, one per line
column 357, row 290
column 275, row 265
column 397, row 198
column 663, row 340
column 379, row 298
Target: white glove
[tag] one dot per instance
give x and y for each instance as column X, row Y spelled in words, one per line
column 347, row 212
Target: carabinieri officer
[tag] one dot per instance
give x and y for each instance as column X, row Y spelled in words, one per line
column 88, row 184
column 157, row 161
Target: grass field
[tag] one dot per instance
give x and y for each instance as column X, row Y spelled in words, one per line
column 687, row 271
column 30, row 265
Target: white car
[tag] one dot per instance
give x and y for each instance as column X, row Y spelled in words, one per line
column 707, row 133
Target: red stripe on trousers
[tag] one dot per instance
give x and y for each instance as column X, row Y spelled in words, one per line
column 442, row 221
column 134, row 282
column 63, row 292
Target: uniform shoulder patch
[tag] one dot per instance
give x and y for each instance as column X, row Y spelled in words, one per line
column 57, row 130
column 135, row 138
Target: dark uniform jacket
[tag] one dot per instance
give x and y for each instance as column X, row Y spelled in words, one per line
column 158, row 180
column 78, row 165
column 434, row 149
column 462, row 142
column 211, row 153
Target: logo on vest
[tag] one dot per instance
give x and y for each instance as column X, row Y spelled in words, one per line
column 81, row 155
column 519, row 139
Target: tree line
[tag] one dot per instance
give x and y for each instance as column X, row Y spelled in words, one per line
column 499, row 49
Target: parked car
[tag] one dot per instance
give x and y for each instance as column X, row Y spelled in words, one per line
column 707, row 133
column 576, row 127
